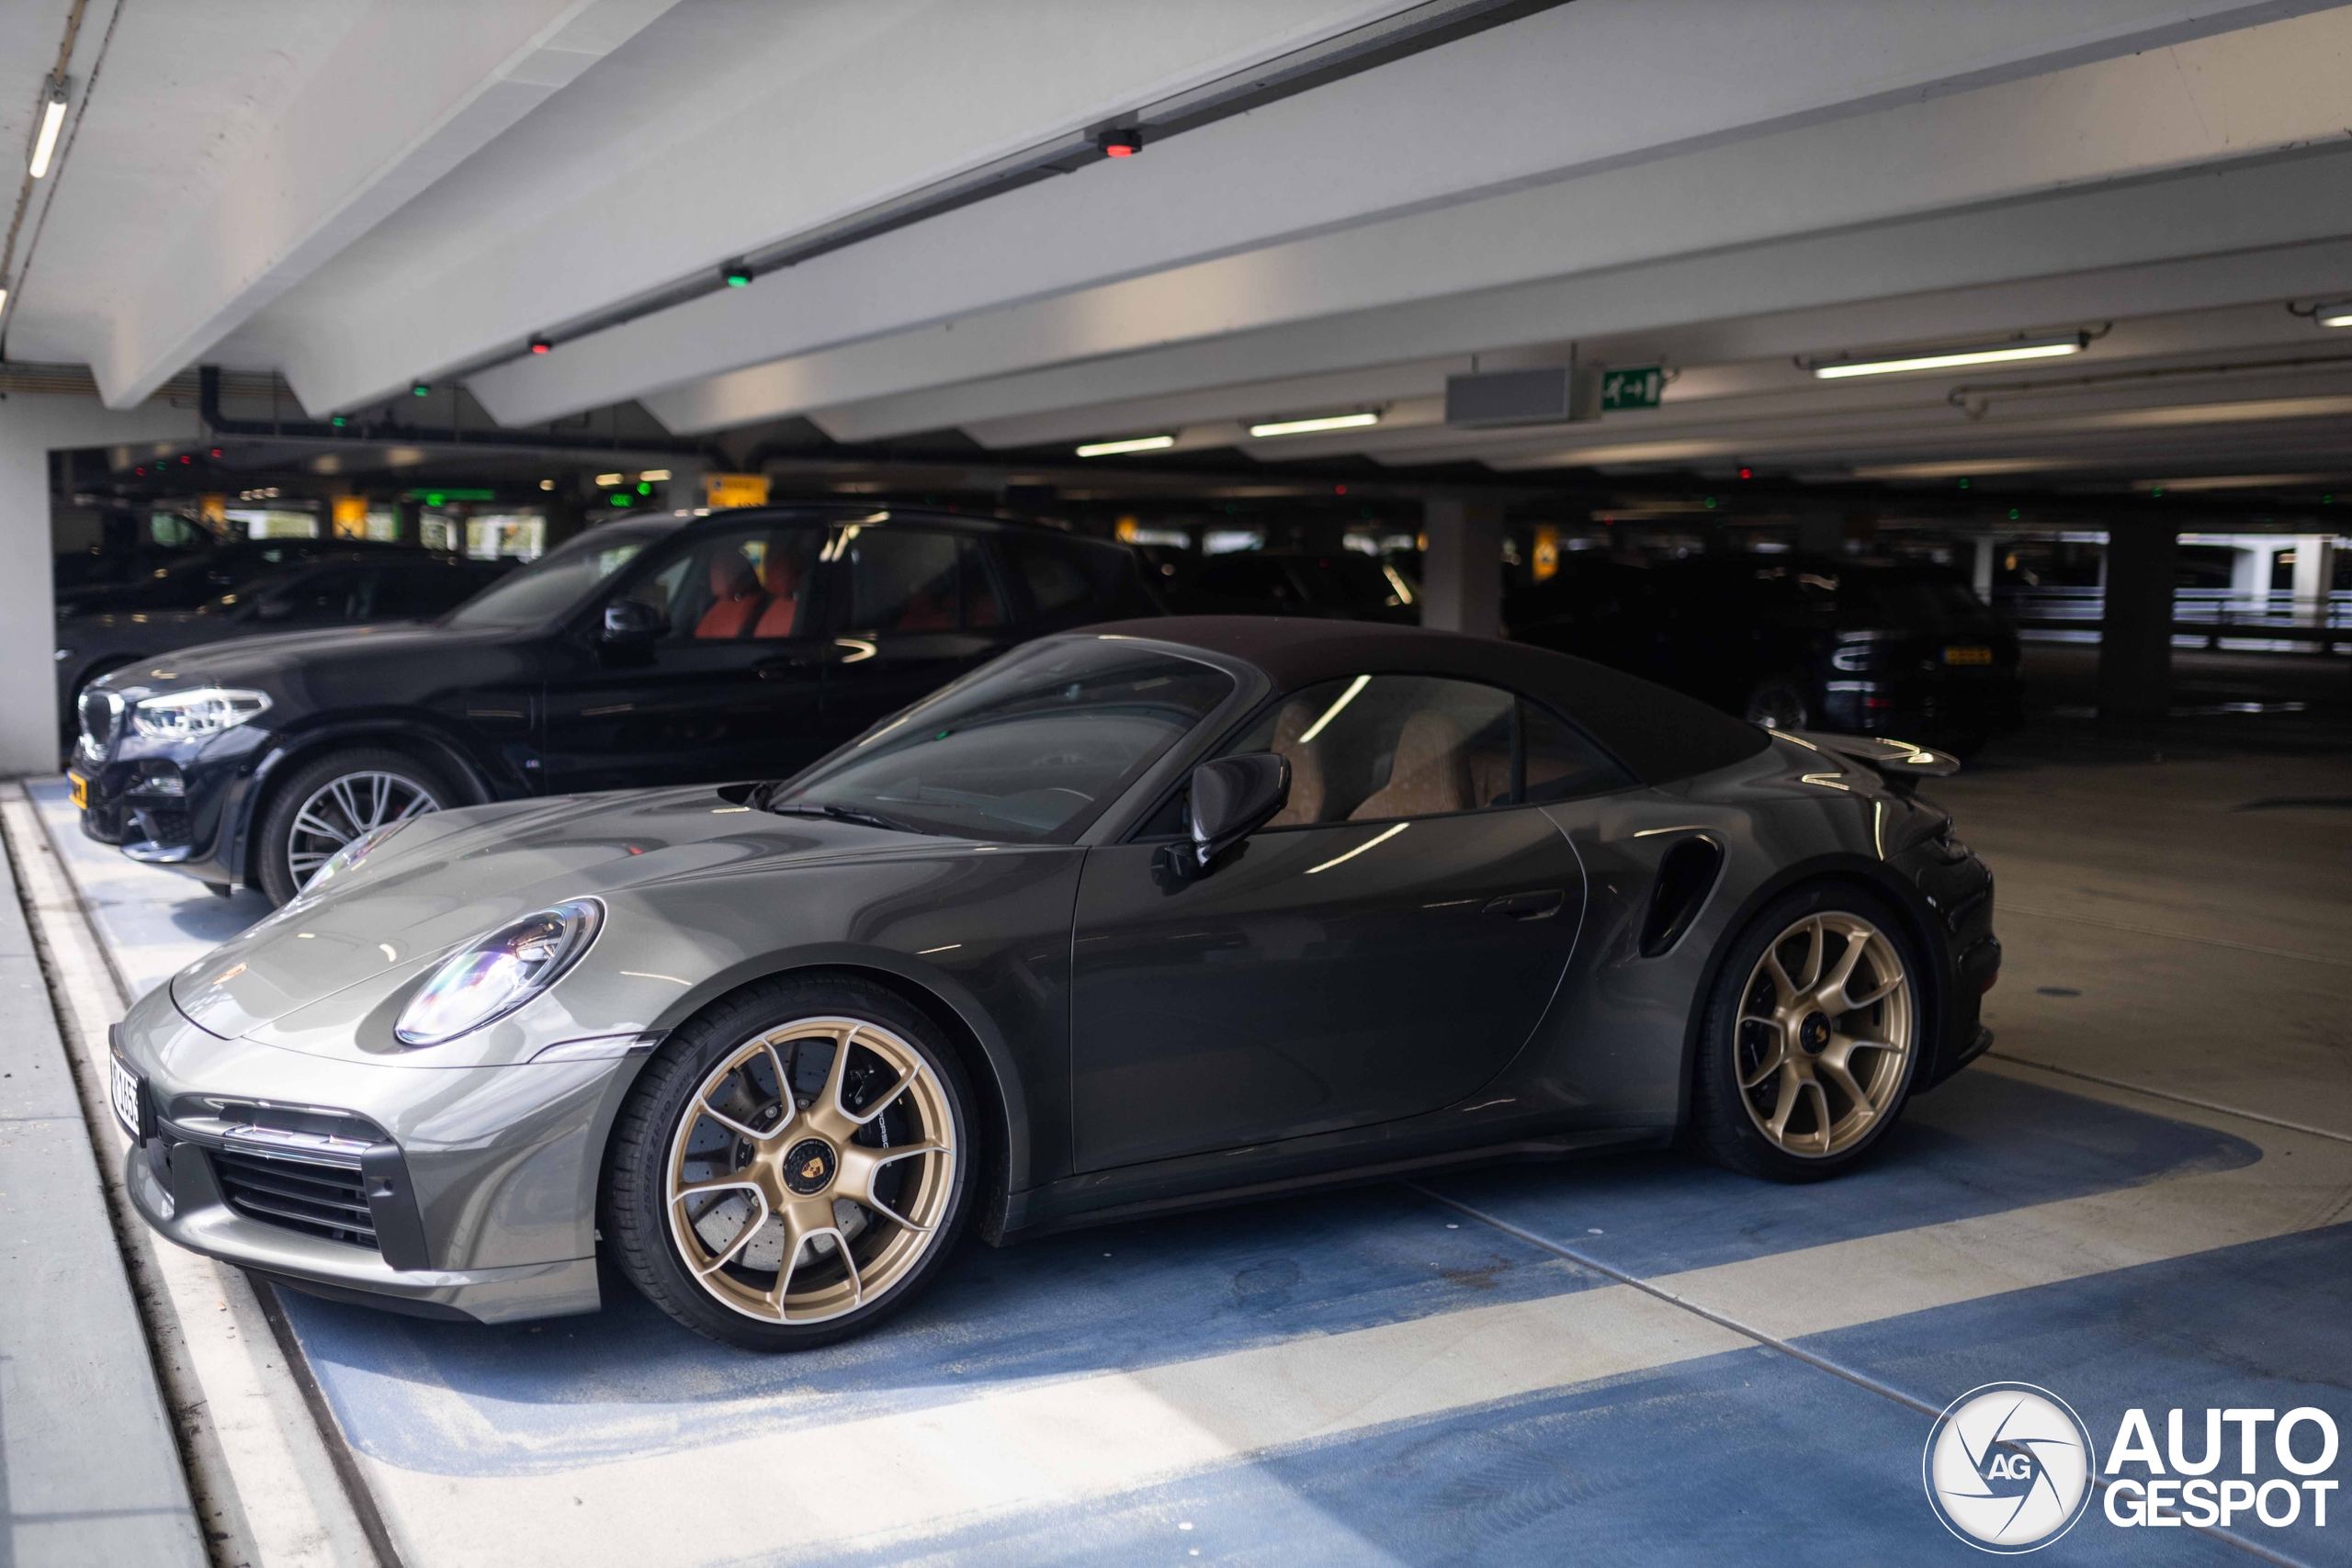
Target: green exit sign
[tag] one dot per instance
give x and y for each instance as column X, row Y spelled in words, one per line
column 1635, row 387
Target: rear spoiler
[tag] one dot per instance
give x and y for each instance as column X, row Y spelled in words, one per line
column 1899, row 762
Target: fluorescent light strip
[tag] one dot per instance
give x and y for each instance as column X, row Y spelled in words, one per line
column 52, row 116
column 2337, row 313
column 1358, row 684
column 1138, row 444
column 1304, row 426
column 2046, row 350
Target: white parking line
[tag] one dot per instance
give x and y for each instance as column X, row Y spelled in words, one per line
column 1057, row 1443
column 265, row 1477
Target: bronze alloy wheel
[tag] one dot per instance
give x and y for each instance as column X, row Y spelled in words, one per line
column 810, row 1171
column 1826, row 1032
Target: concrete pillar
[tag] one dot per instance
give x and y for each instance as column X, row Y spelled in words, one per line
column 2135, row 638
column 1988, row 552
column 32, row 426
column 1462, row 572
column 2315, row 577
column 2250, row 571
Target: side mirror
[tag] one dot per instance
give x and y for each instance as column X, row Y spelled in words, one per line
column 1232, row 798
column 634, row 621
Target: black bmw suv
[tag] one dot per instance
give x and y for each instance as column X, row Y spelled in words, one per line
column 651, row 650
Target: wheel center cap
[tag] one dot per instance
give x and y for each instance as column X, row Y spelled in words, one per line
column 1814, row 1033
column 808, row 1167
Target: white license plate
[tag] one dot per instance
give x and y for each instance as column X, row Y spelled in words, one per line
column 125, row 1098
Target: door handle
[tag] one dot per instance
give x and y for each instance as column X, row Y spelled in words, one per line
column 1539, row 905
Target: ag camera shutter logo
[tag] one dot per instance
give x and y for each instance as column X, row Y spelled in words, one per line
column 2009, row 1467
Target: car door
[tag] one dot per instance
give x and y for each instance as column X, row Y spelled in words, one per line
column 734, row 689
column 923, row 606
column 1381, row 949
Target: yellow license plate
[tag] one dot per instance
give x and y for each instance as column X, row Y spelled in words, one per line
column 1958, row 654
column 81, row 791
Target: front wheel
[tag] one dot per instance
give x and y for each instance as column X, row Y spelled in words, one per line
column 1811, row 1037
column 793, row 1167
column 331, row 801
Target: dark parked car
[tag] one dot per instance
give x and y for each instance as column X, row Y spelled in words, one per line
column 342, row 589
column 1864, row 646
column 187, row 579
column 1345, row 585
column 1140, row 918
column 651, row 650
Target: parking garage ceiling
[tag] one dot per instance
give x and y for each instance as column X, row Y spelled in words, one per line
column 362, row 196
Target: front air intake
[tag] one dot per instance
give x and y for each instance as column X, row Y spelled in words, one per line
column 317, row 1198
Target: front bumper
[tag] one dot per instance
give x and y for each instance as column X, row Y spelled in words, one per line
column 177, row 803
column 446, row 1192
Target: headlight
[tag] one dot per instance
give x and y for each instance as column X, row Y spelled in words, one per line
column 347, row 858
column 500, row 973
column 187, row 716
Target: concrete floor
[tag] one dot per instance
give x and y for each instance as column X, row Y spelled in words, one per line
column 2144, row 1200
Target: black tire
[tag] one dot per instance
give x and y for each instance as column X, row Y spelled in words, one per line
column 282, row 869
column 1733, row 1044
column 636, row 1207
column 1779, row 703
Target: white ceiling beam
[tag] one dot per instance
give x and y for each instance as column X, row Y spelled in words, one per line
column 730, row 127
column 1434, row 138
column 412, row 90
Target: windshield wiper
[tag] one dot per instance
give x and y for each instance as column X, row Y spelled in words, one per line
column 850, row 814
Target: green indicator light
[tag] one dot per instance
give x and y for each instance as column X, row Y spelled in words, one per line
column 1711, row 504
column 738, row 278
column 1964, row 484
column 434, row 498
column 340, row 422
column 2327, row 500
column 2159, row 491
column 2013, row 514
column 420, row 390
column 621, row 498
column 644, row 488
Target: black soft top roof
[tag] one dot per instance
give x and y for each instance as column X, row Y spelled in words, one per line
column 1660, row 733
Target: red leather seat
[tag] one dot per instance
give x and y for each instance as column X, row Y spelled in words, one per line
column 735, row 598
column 781, row 578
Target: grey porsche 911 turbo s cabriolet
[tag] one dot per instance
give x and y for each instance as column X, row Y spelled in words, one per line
column 1137, row 918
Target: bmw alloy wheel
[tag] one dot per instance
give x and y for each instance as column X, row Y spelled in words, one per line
column 345, row 807
column 1826, row 1027
column 810, row 1171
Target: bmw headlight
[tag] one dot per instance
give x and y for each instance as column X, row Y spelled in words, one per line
column 500, row 973
column 190, row 715
column 346, row 859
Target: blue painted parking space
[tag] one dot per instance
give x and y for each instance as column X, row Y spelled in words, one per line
column 1379, row 1376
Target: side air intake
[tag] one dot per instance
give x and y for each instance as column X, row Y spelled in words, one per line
column 1684, row 879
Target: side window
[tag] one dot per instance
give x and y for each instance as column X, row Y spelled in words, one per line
column 421, row 590
column 347, row 595
column 1072, row 581
column 1559, row 762
column 1369, row 747
column 903, row 580
column 982, row 607
column 755, row 582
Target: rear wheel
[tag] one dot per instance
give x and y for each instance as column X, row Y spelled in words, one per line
column 1778, row 704
column 1811, row 1037
column 331, row 801
column 793, row 1167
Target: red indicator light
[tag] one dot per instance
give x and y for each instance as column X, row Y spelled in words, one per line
column 216, row 451
column 1339, row 490
column 1119, row 143
column 540, row 345
column 1748, row 473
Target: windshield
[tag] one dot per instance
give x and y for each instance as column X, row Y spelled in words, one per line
column 546, row 589
column 1030, row 748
